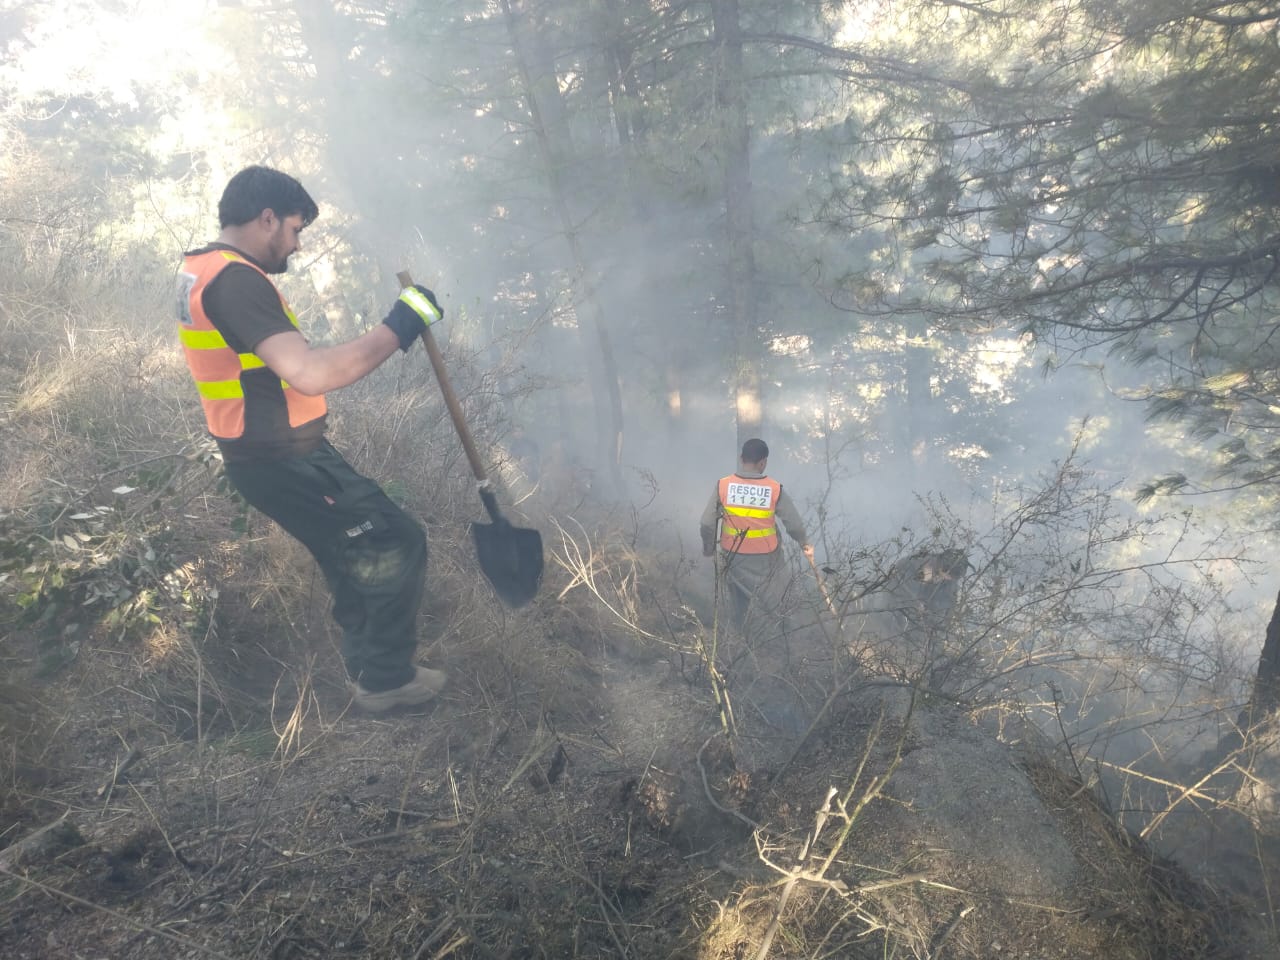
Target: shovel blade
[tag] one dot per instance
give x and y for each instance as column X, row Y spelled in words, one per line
column 511, row 558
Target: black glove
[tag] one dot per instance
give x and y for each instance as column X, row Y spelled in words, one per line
column 416, row 310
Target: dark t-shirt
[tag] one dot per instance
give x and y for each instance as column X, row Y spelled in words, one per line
column 245, row 308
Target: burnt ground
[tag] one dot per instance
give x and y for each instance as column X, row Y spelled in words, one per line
column 190, row 781
column 573, row 794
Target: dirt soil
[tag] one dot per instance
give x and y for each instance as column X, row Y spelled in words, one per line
column 446, row 834
column 573, row 793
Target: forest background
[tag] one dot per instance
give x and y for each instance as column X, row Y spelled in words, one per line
column 995, row 276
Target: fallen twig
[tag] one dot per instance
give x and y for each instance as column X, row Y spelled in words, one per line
column 118, row 772
column 707, row 789
column 34, row 843
column 820, row 821
column 935, row 949
column 365, row 841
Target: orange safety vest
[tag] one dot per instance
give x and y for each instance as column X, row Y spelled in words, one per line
column 748, row 505
column 215, row 367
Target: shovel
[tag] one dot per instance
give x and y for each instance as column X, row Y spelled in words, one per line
column 511, row 557
column 822, row 588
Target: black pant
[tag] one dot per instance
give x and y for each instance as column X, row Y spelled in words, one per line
column 750, row 581
column 372, row 553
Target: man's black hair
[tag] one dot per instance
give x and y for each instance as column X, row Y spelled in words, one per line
column 753, row 451
column 255, row 189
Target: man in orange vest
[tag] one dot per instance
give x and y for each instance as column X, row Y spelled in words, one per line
column 262, row 387
column 748, row 505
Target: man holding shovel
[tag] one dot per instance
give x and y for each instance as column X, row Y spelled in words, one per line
column 747, row 505
column 262, row 388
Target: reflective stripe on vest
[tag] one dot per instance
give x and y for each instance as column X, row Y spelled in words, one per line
column 215, row 367
column 748, row 505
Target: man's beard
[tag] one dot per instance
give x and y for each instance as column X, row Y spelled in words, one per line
column 277, row 264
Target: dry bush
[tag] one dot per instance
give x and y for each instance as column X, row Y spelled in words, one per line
column 1069, row 605
column 110, row 529
column 1083, row 621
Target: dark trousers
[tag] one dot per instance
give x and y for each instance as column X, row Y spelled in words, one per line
column 750, row 581
column 373, row 554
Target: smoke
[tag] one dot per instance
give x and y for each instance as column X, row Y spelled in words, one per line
column 425, row 158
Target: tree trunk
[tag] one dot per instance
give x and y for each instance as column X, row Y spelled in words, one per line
column 1266, row 684
column 739, row 225
column 624, row 90
column 543, row 95
column 918, row 422
column 322, row 26
column 1262, row 705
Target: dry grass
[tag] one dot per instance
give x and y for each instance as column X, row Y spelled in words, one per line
column 1156, row 907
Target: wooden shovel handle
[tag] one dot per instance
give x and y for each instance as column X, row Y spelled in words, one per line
column 450, row 398
column 822, row 587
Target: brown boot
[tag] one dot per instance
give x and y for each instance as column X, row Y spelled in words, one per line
column 423, row 687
